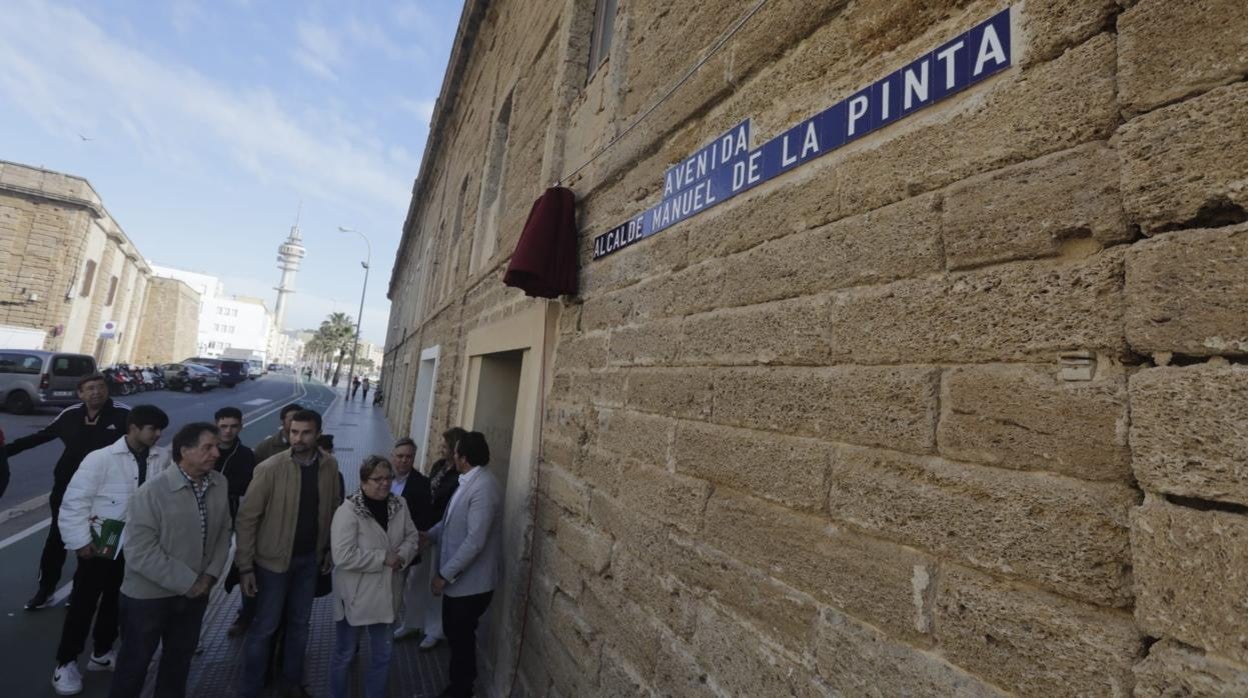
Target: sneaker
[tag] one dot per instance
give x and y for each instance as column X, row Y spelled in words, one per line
column 429, row 642
column 66, row 680
column 403, row 632
column 103, row 662
column 39, row 600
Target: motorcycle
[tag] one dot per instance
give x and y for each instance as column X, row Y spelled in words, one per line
column 119, row 383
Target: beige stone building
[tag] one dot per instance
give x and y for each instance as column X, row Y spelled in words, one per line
column 170, row 334
column 954, row 406
column 67, row 267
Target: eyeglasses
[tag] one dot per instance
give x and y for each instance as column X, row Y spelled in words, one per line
column 383, row 478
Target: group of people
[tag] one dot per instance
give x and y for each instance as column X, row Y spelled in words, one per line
column 356, row 384
column 152, row 528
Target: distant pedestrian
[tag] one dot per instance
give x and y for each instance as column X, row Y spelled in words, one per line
column 365, row 384
column 373, row 539
column 283, row 542
column 92, row 517
column 355, row 386
column 276, row 443
column 470, row 558
column 236, row 462
column 90, row 425
column 169, row 569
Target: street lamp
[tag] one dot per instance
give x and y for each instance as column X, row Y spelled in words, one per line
column 355, row 347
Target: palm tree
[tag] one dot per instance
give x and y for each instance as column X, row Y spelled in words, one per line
column 336, row 333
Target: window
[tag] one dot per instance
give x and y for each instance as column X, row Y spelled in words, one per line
column 20, row 363
column 88, row 278
column 112, row 291
column 491, row 207
column 600, row 40
column 73, row 366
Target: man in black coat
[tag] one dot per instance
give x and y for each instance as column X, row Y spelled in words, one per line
column 413, row 487
column 237, row 463
column 90, row 425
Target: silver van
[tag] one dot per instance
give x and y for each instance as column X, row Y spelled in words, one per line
column 31, row 378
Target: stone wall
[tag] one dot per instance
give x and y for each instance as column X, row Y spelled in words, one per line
column 51, row 226
column 955, row 409
column 170, row 322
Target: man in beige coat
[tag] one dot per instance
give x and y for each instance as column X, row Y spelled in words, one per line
column 176, row 541
column 283, row 543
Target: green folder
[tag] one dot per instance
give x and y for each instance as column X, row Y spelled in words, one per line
column 108, row 539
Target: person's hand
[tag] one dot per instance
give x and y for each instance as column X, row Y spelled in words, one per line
column 425, row 540
column 393, row 561
column 247, row 582
column 87, row 551
column 202, row 585
column 438, row 585
column 327, row 565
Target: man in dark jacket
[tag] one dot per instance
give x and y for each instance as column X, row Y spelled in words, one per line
column 280, row 441
column 90, row 425
column 237, row 463
column 413, row 487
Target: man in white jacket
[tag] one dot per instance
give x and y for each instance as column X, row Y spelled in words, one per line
column 100, row 491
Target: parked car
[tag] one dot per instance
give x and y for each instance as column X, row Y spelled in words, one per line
column 230, row 371
column 31, row 378
column 275, row 367
column 255, row 368
column 189, row 377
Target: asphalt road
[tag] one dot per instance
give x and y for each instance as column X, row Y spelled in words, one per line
column 29, row 638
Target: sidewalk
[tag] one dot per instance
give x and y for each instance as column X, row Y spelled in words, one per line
column 359, row 430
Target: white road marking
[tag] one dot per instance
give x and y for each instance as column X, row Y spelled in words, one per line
column 22, row 534
column 257, row 401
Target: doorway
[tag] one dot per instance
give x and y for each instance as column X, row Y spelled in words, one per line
column 422, row 404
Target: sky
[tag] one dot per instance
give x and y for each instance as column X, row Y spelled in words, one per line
column 206, row 126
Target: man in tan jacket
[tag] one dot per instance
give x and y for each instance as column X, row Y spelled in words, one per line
column 283, row 542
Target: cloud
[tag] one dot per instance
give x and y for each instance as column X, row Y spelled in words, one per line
column 60, row 67
column 319, row 50
column 185, row 15
column 420, row 108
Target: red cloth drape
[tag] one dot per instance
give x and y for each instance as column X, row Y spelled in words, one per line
column 545, row 261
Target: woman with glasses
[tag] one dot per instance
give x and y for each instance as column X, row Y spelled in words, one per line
column 372, row 539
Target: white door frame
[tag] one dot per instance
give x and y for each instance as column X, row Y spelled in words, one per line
column 422, row 401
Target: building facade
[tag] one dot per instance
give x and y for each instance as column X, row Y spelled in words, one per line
column 225, row 321
column 907, row 357
column 171, row 323
column 67, row 267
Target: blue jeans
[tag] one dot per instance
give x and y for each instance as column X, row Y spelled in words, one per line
column 173, row 623
column 380, row 640
column 288, row 594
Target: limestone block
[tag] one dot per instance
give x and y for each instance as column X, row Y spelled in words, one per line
column 1032, row 642
column 617, row 680
column 604, row 388
column 1184, row 165
column 1169, row 50
column 566, row 490
column 622, row 624
column 1174, row 669
column 567, row 676
column 1069, row 536
column 642, row 534
column 607, row 310
column 676, row 499
column 1052, row 26
column 1015, row 313
column 585, row 544
column 572, row 631
column 1016, row 117
column 1187, row 292
column 635, row 435
column 893, row 406
column 781, row 613
column 1191, row 576
column 1027, row 418
column 1035, row 209
column 787, row 470
column 1189, row 431
column 679, row 674
column 694, row 289
column 678, row 392
column 583, row 352
column 564, row 573
column 660, row 253
column 858, row 660
column 879, row 582
column 743, row 666
column 649, row 344
column 669, row 600
column 784, row 332
column 894, row 242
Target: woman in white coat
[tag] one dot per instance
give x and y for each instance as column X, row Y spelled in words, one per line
column 372, row 539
